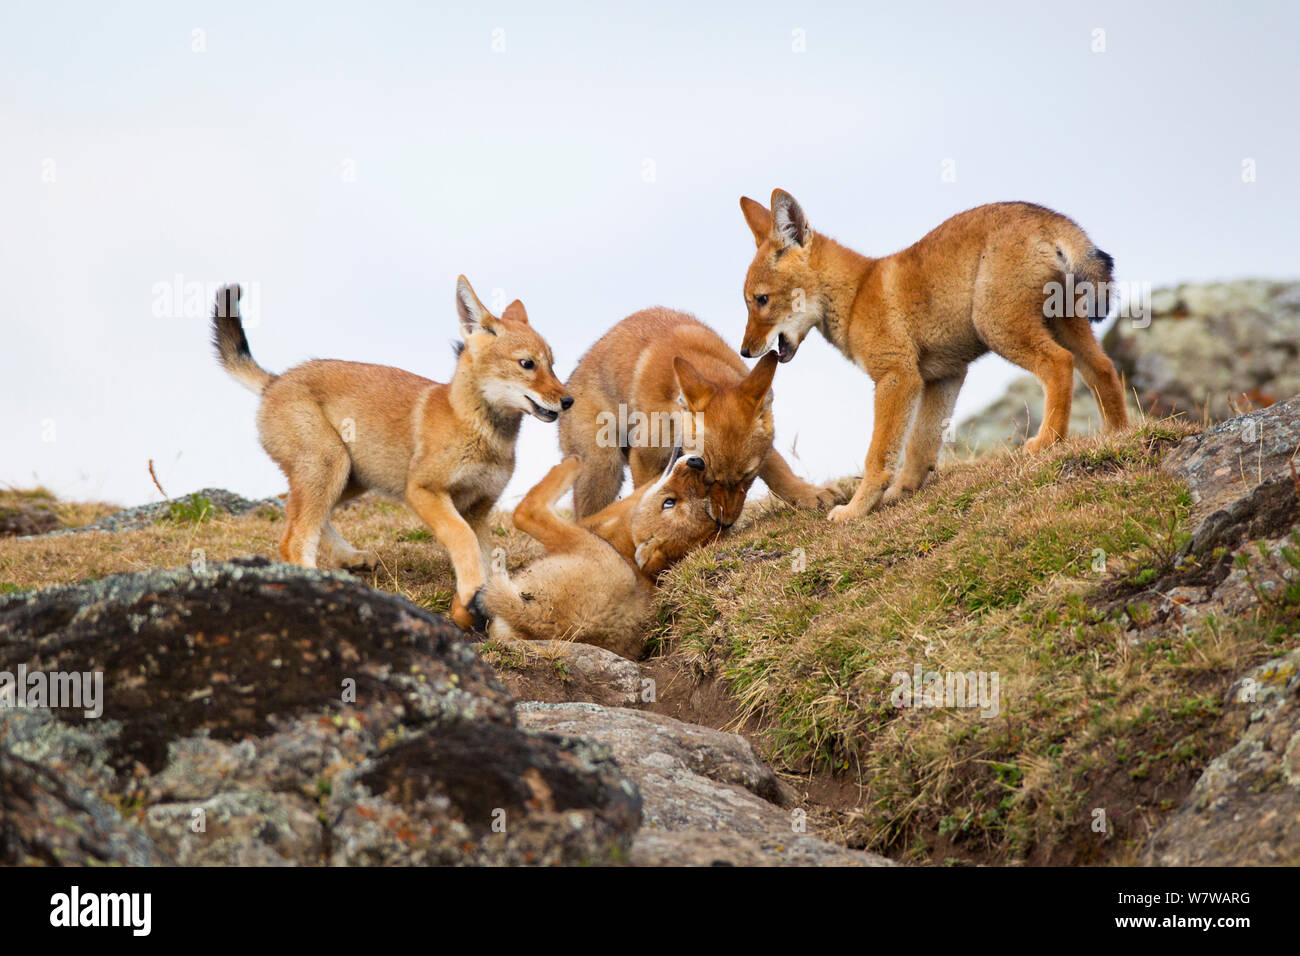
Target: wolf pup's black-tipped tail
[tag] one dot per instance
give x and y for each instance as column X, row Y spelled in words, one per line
column 1098, row 268
column 1093, row 272
column 231, row 344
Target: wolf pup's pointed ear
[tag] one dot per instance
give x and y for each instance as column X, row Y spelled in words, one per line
column 789, row 224
column 473, row 315
column 515, row 312
column 696, row 389
column 758, row 218
column 758, row 383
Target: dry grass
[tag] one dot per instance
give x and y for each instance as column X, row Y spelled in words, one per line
column 412, row 563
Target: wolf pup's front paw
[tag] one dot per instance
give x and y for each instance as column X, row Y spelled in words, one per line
column 466, row 616
column 478, row 607
column 842, row 513
column 813, row 497
column 826, row 496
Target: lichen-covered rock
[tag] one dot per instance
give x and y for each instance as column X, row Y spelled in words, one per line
column 1017, row 415
column 238, row 828
column 207, row 500
column 703, row 848
column 1245, row 808
column 1244, row 487
column 690, row 777
column 1212, row 346
column 258, row 713
column 230, row 649
column 707, row 795
column 438, row 799
column 1244, row 549
column 33, row 514
column 1233, row 460
column 565, row 671
column 47, row 820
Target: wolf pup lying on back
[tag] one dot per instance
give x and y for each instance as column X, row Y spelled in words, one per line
column 914, row 320
column 596, row 582
column 337, row 429
column 648, row 366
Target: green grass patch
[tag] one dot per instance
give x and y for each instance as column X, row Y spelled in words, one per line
column 993, row 568
column 195, row 509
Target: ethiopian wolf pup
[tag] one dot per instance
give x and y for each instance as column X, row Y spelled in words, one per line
column 596, row 581
column 662, row 378
column 914, row 320
column 337, row 429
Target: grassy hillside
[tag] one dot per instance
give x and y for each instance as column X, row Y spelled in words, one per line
column 1038, row 570
column 1031, row 568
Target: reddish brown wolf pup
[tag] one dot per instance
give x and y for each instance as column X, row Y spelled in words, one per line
column 337, row 429
column 914, row 320
column 677, row 382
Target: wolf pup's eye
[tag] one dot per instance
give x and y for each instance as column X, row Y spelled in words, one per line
column 760, row 300
column 528, row 364
column 668, row 503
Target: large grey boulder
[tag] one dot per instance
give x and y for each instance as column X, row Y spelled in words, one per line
column 707, row 795
column 48, row 820
column 266, row 714
column 564, row 671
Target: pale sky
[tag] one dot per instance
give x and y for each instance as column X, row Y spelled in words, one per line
column 348, row 160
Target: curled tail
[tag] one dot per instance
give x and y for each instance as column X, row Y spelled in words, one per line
column 231, row 344
column 1093, row 272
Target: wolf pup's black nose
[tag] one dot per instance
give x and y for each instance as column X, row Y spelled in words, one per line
column 744, row 353
column 566, row 402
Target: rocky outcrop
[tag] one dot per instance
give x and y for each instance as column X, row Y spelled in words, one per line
column 1018, row 414
column 1208, row 351
column 706, row 848
column 191, row 507
column 265, row 714
column 28, row 514
column 561, row 671
column 708, row 797
column 690, row 777
column 1244, row 549
column 1235, row 471
column 1212, row 349
column 1245, row 808
column 46, row 820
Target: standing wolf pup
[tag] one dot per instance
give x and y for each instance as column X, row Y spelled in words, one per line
column 914, row 320
column 337, row 429
column 668, row 367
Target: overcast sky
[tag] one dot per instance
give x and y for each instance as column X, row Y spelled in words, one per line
column 348, row 160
